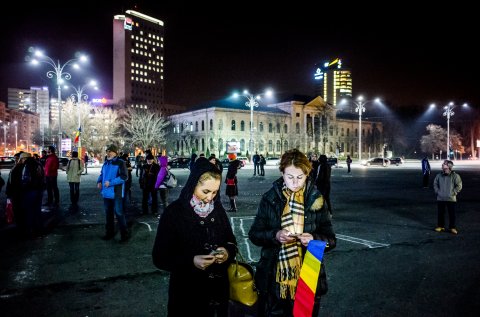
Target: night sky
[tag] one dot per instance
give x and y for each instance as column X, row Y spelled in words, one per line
column 405, row 55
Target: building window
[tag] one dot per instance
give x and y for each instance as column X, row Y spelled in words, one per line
column 297, row 115
column 233, row 125
column 270, row 128
column 261, row 126
column 342, row 132
column 331, row 130
column 348, row 132
column 279, row 144
column 261, row 146
column 297, row 128
column 356, row 132
column 220, row 144
column 270, row 146
column 203, row 144
column 196, row 144
column 285, row 128
column 196, row 126
column 242, row 125
column 211, row 124
column 285, row 146
column 211, row 144
column 242, row 145
column 220, row 125
column 203, row 125
column 278, row 127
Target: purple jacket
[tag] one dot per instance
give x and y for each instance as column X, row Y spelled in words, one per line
column 163, row 161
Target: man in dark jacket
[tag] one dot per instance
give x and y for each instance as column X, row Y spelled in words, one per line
column 324, row 172
column 147, row 183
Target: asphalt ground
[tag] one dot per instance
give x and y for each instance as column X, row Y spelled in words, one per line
column 388, row 262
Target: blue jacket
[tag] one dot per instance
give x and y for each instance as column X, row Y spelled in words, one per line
column 114, row 171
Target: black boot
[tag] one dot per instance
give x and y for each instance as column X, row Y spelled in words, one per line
column 233, row 207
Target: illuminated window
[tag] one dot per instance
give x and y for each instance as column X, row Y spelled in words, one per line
column 233, row 125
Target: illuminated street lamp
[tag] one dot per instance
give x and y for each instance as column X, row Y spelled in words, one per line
column 360, row 103
column 252, row 103
column 448, row 112
column 80, row 96
column 15, row 123
column 5, row 137
column 59, row 74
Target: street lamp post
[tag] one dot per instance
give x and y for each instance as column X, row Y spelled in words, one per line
column 59, row 74
column 360, row 108
column 15, row 123
column 448, row 113
column 252, row 103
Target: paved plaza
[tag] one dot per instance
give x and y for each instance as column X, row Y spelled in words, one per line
column 389, row 261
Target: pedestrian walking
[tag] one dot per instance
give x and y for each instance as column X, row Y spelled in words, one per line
column 231, row 189
column 349, row 161
column 74, row 171
column 256, row 164
column 160, row 184
column 447, row 185
column 195, row 244
column 111, row 182
column 51, row 174
column 85, row 162
column 262, row 164
column 289, row 216
column 426, row 171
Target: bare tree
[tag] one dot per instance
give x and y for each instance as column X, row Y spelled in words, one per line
column 145, row 129
column 435, row 140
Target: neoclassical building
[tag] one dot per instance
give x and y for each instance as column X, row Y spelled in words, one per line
column 310, row 125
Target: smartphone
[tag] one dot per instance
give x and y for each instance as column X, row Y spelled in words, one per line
column 215, row 252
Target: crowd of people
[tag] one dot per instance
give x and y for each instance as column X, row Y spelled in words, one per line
column 194, row 240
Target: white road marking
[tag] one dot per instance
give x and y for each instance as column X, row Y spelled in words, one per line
column 368, row 243
column 146, row 224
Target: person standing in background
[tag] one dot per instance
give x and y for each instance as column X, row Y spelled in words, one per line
column 349, row 161
column 160, row 183
column 231, row 189
column 147, row 183
column 256, row 164
column 51, row 174
column 74, row 171
column 111, row 182
column 262, row 164
column 323, row 181
column 85, row 162
column 426, row 171
column 447, row 185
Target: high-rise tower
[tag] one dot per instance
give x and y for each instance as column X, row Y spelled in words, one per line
column 138, row 52
column 333, row 82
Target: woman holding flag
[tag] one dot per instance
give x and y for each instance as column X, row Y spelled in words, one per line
column 290, row 215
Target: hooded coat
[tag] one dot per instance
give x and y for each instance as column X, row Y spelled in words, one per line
column 181, row 235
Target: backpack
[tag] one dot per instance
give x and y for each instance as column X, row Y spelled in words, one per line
column 170, row 180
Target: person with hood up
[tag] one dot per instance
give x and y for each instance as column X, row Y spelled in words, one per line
column 160, row 183
column 195, row 243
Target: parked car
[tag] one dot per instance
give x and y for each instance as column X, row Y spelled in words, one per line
column 62, row 162
column 396, row 160
column 379, row 161
column 179, row 162
column 226, row 161
column 272, row 161
column 7, row 162
column 332, row 161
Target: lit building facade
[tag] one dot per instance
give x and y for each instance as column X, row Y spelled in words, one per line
column 309, row 125
column 138, row 61
column 333, row 82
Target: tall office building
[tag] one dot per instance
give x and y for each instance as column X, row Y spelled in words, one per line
column 35, row 100
column 138, row 52
column 333, row 82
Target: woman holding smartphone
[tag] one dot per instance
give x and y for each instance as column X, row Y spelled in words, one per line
column 195, row 243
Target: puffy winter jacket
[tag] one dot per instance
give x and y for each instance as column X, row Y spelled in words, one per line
column 114, row 171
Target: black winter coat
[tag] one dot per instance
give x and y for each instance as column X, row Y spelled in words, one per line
column 268, row 222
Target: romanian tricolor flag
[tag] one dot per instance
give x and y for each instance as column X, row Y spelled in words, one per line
column 307, row 283
column 77, row 135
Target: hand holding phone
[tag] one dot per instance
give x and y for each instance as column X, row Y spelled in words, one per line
column 215, row 252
